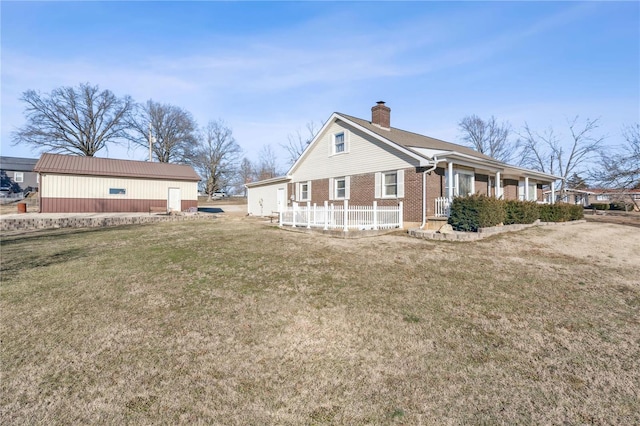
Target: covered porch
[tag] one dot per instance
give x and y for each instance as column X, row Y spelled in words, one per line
column 462, row 177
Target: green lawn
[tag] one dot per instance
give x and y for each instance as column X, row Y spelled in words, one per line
column 233, row 322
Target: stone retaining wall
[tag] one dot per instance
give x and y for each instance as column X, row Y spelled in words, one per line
column 33, row 223
column 482, row 232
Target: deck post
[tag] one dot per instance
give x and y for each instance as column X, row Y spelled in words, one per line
column 375, row 215
column 293, row 219
column 326, row 215
column 346, row 216
column 400, row 220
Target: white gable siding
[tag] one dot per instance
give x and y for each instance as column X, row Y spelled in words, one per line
column 364, row 155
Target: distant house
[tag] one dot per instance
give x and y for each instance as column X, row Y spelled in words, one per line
column 363, row 161
column 17, row 175
column 89, row 184
column 589, row 196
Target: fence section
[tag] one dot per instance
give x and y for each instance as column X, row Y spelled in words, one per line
column 443, row 207
column 342, row 216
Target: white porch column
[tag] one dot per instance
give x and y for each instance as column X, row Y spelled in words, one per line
column 450, row 180
column 498, row 188
column 526, row 188
column 553, row 192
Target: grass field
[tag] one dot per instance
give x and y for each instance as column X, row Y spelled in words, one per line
column 234, row 322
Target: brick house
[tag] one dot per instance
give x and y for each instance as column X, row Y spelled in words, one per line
column 364, row 161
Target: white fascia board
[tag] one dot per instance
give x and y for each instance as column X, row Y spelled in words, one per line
column 431, row 153
column 496, row 166
column 423, row 162
column 268, row 181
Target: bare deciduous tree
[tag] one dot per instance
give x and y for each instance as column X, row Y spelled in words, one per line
column 549, row 153
column 173, row 131
column 267, row 167
column 215, row 156
column 488, row 137
column 74, row 120
column 620, row 166
column 244, row 175
column 297, row 143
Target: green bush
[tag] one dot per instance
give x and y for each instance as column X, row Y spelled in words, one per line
column 600, row 206
column 560, row 212
column 476, row 211
column 520, row 212
column 480, row 211
column 576, row 212
column 620, row 205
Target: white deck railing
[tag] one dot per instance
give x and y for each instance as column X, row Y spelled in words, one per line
column 342, row 216
column 443, row 207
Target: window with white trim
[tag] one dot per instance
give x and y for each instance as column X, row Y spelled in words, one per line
column 18, row 177
column 533, row 191
column 304, row 191
column 389, row 184
column 339, row 188
column 339, row 143
column 463, row 182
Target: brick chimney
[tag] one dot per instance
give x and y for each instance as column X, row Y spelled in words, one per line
column 381, row 115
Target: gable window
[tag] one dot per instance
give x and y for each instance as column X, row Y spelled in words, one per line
column 117, row 191
column 339, row 143
column 339, row 188
column 304, row 191
column 389, row 184
column 18, row 177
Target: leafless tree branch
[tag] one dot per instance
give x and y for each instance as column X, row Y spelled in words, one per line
column 74, row 120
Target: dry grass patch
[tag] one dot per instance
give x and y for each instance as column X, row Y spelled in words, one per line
column 236, row 323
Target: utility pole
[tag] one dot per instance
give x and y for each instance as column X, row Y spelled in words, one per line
column 150, row 142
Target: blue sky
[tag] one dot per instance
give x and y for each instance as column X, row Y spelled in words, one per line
column 268, row 68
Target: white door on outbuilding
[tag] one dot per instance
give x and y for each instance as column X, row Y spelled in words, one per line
column 280, row 199
column 175, row 202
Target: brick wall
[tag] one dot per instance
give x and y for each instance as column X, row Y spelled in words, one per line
column 435, row 188
column 481, row 183
column 362, row 192
column 510, row 189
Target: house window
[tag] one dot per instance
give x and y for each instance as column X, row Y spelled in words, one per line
column 533, row 191
column 390, row 184
column 463, row 183
column 18, row 177
column 602, row 197
column 304, row 191
column 341, row 188
column 338, row 143
column 117, row 191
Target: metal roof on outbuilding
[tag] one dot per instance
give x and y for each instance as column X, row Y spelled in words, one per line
column 94, row 166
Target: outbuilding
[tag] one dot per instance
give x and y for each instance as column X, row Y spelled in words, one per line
column 95, row 185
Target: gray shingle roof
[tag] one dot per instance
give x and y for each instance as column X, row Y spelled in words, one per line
column 93, row 166
column 410, row 139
